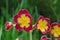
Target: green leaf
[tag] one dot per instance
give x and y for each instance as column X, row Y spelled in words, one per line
column 0, row 32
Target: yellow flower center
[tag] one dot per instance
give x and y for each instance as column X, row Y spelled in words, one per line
column 55, row 31
column 24, row 21
column 42, row 25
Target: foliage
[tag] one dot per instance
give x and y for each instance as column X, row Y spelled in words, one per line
column 47, row 8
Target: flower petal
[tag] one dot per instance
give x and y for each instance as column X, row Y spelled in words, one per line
column 16, row 17
column 18, row 28
column 23, row 11
column 48, row 38
column 44, row 37
column 8, row 25
column 28, row 29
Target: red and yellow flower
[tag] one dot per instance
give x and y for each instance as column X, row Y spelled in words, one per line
column 55, row 30
column 43, row 24
column 44, row 37
column 8, row 25
column 23, row 20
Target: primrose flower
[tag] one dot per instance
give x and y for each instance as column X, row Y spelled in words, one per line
column 8, row 25
column 44, row 37
column 43, row 24
column 55, row 30
column 23, row 20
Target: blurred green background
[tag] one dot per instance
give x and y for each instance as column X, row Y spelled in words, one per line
column 8, row 8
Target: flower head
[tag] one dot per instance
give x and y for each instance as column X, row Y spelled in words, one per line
column 55, row 30
column 43, row 24
column 23, row 20
column 8, row 25
column 44, row 37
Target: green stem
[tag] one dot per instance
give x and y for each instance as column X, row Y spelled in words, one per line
column 50, row 37
column 31, row 35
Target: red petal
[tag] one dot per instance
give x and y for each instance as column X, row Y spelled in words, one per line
column 28, row 29
column 48, row 38
column 54, row 24
column 15, row 18
column 48, row 20
column 43, row 37
column 18, row 28
column 40, row 17
column 23, row 11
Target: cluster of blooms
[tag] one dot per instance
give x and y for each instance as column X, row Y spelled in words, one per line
column 23, row 20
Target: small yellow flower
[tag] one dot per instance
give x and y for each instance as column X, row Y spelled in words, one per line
column 55, row 30
column 43, row 24
column 23, row 20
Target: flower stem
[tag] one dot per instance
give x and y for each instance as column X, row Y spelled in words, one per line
column 50, row 37
column 31, row 32
column 31, row 35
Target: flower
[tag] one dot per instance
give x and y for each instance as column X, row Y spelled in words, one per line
column 44, row 37
column 55, row 30
column 8, row 25
column 23, row 20
column 43, row 24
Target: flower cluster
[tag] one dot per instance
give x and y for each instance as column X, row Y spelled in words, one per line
column 23, row 20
